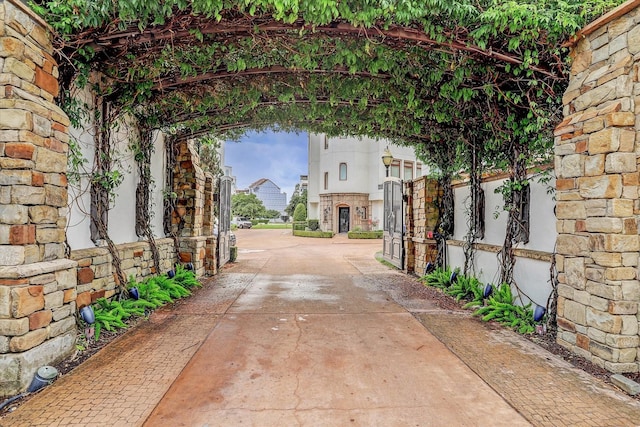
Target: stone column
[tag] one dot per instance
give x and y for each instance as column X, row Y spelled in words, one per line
column 596, row 164
column 409, row 244
column 37, row 285
column 210, row 261
column 208, row 219
column 188, row 218
column 426, row 196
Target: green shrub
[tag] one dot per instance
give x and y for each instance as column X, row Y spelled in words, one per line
column 500, row 307
column 154, row 292
column 307, row 233
column 365, row 234
column 233, row 253
column 313, row 224
column 466, row 288
column 438, row 278
column 299, row 225
column 300, row 213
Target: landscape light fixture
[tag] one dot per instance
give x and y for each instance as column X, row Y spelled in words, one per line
column 387, row 159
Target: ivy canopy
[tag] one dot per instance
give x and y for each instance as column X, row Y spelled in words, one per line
column 441, row 75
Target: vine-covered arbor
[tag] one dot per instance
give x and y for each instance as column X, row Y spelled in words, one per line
column 472, row 85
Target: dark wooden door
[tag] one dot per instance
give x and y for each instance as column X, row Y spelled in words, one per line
column 343, row 218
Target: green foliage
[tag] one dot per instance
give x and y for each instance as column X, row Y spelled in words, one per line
column 438, row 278
column 247, row 206
column 300, row 213
column 298, row 197
column 313, row 224
column 210, row 160
column 272, row 213
column 75, row 162
column 365, row 234
column 299, row 225
column 109, row 180
column 306, row 233
column 500, row 307
column 466, row 288
column 463, row 288
column 154, row 292
column 487, row 73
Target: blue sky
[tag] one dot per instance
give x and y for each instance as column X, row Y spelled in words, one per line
column 280, row 157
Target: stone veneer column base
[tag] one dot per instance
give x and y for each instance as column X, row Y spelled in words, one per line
column 193, row 250
column 37, row 320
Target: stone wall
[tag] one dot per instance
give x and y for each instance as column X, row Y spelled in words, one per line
column 194, row 199
column 422, row 218
column 596, row 148
column 359, row 211
column 33, row 142
column 37, row 285
column 96, row 275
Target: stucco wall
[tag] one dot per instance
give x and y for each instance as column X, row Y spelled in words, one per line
column 533, row 260
column 122, row 214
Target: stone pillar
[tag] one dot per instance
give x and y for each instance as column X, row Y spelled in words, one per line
column 188, row 218
column 208, row 217
column 409, row 244
column 211, row 243
column 189, row 185
column 596, row 164
column 37, row 285
column 425, row 208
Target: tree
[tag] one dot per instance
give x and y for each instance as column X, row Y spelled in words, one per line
column 272, row 213
column 247, row 206
column 298, row 197
column 209, row 156
column 300, row 214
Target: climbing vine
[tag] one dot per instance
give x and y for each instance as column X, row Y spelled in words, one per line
column 432, row 74
column 142, row 156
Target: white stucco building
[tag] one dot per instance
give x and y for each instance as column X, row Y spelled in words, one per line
column 270, row 194
column 345, row 180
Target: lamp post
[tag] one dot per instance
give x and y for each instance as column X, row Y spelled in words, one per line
column 387, row 159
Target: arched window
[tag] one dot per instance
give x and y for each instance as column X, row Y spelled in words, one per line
column 343, row 171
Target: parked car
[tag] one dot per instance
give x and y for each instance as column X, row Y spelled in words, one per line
column 244, row 224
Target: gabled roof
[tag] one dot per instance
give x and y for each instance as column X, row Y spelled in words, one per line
column 261, row 182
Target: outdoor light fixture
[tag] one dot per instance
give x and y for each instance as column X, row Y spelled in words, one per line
column 387, row 159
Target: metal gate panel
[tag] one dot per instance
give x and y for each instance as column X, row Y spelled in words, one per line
column 393, row 244
column 224, row 220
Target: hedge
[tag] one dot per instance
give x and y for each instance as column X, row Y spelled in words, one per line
column 365, row 234
column 303, row 233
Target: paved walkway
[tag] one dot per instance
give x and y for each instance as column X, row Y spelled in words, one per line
column 312, row 332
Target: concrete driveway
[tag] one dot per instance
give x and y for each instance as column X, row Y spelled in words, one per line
column 313, row 339
column 315, row 332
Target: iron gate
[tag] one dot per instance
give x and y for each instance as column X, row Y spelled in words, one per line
column 224, row 220
column 393, row 245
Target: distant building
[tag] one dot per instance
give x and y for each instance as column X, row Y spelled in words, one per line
column 301, row 186
column 304, row 183
column 270, row 195
column 346, row 178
